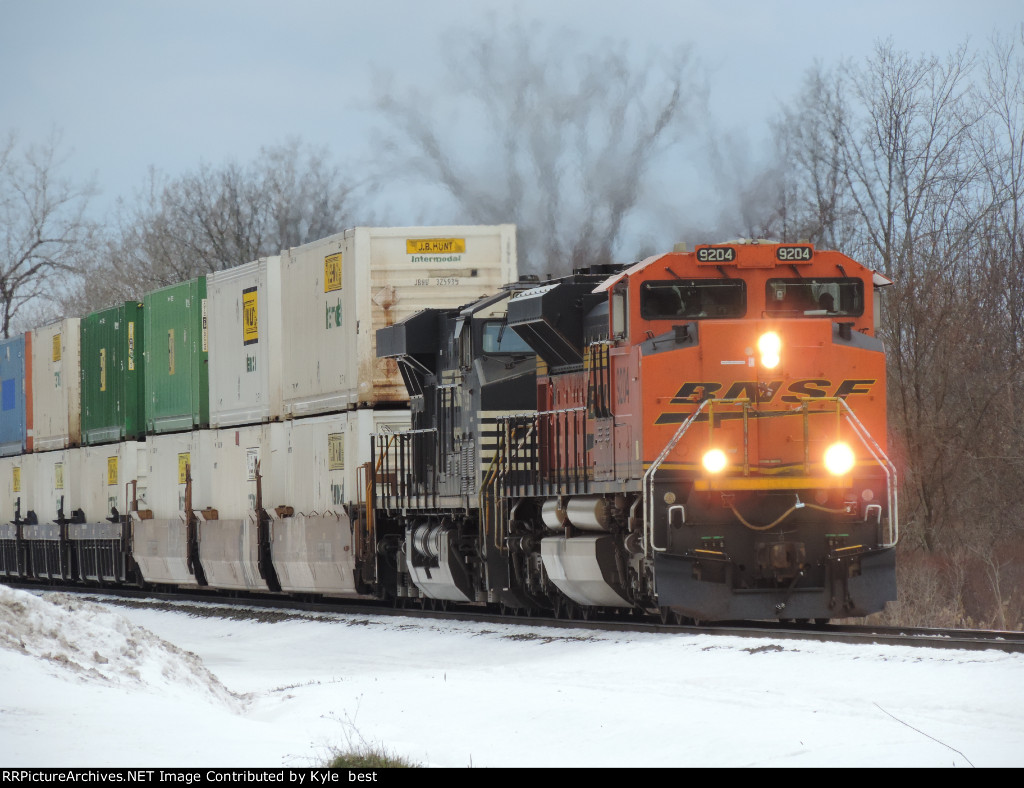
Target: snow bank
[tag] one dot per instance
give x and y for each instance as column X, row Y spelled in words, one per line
column 81, row 641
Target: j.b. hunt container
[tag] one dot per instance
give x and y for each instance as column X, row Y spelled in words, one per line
column 336, row 293
column 56, row 386
column 176, row 374
column 15, row 395
column 113, row 376
column 244, row 320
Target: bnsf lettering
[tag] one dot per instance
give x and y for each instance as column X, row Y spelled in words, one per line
column 848, row 387
column 806, row 388
column 755, row 392
column 766, row 391
column 696, row 392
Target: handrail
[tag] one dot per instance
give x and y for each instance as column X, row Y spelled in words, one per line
column 843, row 409
column 886, row 464
column 648, row 481
column 561, row 433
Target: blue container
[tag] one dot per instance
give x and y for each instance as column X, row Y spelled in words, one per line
column 13, row 402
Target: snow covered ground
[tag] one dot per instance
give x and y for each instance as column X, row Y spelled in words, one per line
column 91, row 685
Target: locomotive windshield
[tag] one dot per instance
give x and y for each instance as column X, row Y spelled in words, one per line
column 833, row 297
column 686, row 299
column 499, row 338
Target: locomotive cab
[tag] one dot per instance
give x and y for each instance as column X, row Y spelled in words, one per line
column 718, row 450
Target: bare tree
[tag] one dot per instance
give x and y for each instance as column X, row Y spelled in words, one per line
column 576, row 133
column 216, row 217
column 44, row 231
column 805, row 195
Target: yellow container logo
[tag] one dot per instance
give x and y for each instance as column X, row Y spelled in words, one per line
column 111, row 470
column 184, row 460
column 58, row 476
column 336, row 451
column 56, row 347
column 332, row 272
column 435, row 246
column 170, row 351
column 16, row 479
column 131, row 346
column 103, row 369
column 250, row 317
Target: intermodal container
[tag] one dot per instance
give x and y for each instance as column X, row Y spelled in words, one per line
column 15, row 395
column 160, row 526
column 244, row 321
column 17, row 488
column 56, row 386
column 336, row 293
column 57, row 485
column 113, row 379
column 314, row 473
column 176, row 345
column 107, row 473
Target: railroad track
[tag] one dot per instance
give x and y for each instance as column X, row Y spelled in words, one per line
column 273, row 609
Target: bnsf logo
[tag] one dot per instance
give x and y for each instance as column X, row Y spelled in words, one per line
column 764, row 393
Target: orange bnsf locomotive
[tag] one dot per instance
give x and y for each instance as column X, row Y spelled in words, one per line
column 702, row 435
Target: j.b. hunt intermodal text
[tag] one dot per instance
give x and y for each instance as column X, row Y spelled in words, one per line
column 188, row 776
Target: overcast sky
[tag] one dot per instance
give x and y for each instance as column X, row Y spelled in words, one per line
column 134, row 84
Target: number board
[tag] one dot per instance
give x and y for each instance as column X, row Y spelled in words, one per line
column 794, row 254
column 716, row 254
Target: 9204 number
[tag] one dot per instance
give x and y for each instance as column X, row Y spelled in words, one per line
column 716, row 254
column 790, row 254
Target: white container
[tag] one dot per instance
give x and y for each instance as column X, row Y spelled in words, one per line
column 107, row 471
column 58, row 482
column 244, row 319
column 16, row 474
column 17, row 487
column 160, row 527
column 229, row 541
column 336, row 293
column 56, row 386
column 313, row 543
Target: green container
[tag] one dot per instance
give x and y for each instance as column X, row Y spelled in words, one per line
column 177, row 377
column 113, row 380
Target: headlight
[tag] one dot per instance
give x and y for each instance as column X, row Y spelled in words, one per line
column 770, row 346
column 839, row 459
column 714, row 460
